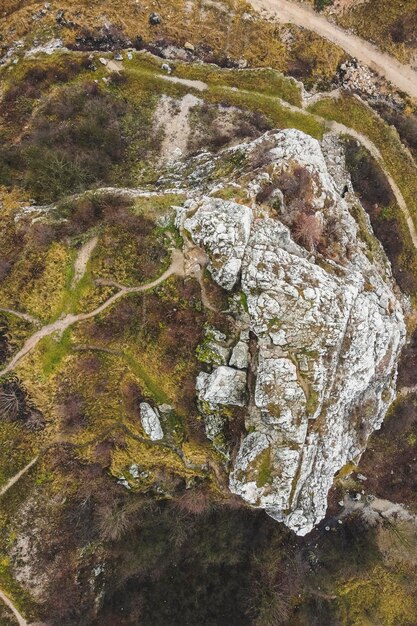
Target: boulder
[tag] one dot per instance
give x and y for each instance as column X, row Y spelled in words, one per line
column 150, row 421
column 154, row 19
column 224, row 386
column 240, row 356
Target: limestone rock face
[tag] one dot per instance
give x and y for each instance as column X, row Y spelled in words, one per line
column 328, row 334
column 150, row 421
column 222, row 228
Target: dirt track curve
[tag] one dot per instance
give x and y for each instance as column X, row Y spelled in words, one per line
column 19, row 618
column 401, row 76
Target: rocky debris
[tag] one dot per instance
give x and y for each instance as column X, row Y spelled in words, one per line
column 328, row 333
column 150, row 421
column 165, row 409
column 189, row 46
column 214, row 426
column 224, row 386
column 61, row 20
column 48, row 48
column 360, row 78
column 222, row 228
column 104, row 39
column 154, row 19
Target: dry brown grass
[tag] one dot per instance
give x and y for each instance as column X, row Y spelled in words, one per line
column 218, row 26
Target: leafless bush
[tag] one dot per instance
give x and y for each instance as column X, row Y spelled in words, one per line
column 195, row 501
column 71, row 412
column 5, row 267
column 307, row 230
column 260, row 154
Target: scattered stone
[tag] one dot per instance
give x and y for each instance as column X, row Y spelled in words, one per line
column 165, row 409
column 150, row 421
column 118, row 56
column 103, row 61
column 189, row 46
column 166, row 67
column 134, row 471
column 154, row 19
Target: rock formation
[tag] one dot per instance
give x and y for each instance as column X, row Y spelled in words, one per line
column 326, row 320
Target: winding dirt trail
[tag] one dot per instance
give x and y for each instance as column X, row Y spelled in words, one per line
column 20, row 619
column 401, row 76
column 340, row 129
column 60, row 325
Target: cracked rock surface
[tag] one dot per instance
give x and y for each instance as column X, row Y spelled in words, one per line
column 328, row 334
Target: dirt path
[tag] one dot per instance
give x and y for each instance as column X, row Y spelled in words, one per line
column 187, row 82
column 20, row 619
column 17, row 476
column 401, row 76
column 82, row 259
column 23, row 316
column 60, row 325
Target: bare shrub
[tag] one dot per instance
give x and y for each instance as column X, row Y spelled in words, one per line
column 266, row 192
column 259, row 156
column 196, row 501
column 5, row 267
column 307, row 230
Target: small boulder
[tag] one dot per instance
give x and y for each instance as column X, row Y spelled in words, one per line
column 189, row 46
column 154, row 19
column 150, row 422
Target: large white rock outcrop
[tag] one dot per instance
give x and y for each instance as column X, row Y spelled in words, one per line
column 150, row 421
column 329, row 332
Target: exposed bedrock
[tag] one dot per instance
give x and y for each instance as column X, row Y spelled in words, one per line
column 329, row 330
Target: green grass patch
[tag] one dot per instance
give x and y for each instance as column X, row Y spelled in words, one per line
column 151, row 385
column 266, row 81
column 280, row 115
column 53, row 351
column 264, row 475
